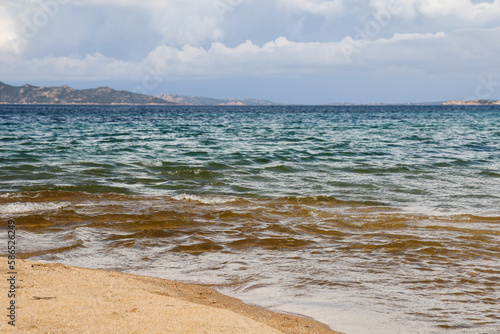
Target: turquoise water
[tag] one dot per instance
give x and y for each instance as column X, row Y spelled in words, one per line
column 371, row 219
column 437, row 158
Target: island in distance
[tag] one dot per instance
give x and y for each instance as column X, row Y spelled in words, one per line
column 209, row 101
column 471, row 102
column 29, row 94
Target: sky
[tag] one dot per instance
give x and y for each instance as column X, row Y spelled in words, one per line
column 287, row 51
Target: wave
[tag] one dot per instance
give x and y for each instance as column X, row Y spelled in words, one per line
column 205, row 199
column 86, row 196
column 31, row 207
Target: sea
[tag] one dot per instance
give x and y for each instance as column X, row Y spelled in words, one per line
column 371, row 219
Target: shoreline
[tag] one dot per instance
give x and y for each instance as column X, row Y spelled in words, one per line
column 55, row 298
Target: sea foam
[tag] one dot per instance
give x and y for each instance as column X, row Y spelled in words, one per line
column 204, row 200
column 31, row 207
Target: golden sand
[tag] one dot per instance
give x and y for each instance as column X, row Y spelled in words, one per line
column 53, row 298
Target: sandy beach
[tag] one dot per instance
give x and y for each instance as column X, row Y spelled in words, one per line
column 54, row 298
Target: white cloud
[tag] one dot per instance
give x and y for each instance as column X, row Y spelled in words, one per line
column 177, row 22
column 316, row 7
column 21, row 21
column 280, row 55
column 90, row 67
column 7, row 31
column 429, row 52
column 467, row 52
column 464, row 10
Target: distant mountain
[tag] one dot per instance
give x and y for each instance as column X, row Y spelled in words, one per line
column 28, row 94
column 208, row 101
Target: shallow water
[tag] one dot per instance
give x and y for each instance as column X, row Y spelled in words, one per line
column 370, row 219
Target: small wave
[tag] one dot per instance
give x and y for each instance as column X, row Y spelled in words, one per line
column 83, row 188
column 280, row 169
column 207, row 246
column 31, row 207
column 330, row 200
column 489, row 173
column 58, row 250
column 152, row 163
column 276, row 243
column 191, row 173
column 204, row 200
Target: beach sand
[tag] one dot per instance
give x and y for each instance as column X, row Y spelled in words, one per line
column 54, row 298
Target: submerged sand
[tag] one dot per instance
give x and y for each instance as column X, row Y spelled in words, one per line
column 54, row 298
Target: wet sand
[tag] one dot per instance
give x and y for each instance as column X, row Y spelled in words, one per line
column 53, row 298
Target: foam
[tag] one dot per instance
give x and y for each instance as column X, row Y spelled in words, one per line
column 20, row 207
column 155, row 163
column 204, row 200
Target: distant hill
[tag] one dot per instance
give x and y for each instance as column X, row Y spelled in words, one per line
column 472, row 102
column 28, row 94
column 208, row 101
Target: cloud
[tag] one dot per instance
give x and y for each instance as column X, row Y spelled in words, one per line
column 277, row 56
column 179, row 22
column 22, row 20
column 471, row 50
column 316, row 7
column 176, row 22
column 463, row 10
column 90, row 67
column 467, row 52
column 7, row 30
column 122, row 27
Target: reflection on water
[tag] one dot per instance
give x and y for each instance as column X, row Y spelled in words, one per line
column 347, row 263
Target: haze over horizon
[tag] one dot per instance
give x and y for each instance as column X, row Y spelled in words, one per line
column 287, row 51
